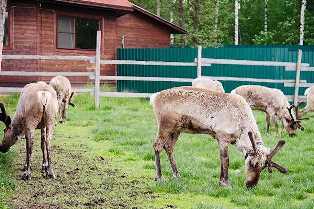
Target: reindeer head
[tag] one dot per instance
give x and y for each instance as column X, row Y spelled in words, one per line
column 64, row 106
column 9, row 137
column 292, row 123
column 260, row 158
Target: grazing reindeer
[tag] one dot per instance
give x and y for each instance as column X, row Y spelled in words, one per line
column 62, row 86
column 309, row 93
column 274, row 103
column 37, row 108
column 226, row 117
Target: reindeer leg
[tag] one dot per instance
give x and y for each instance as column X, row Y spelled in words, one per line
column 166, row 126
column 43, row 149
column 49, row 133
column 27, row 174
column 157, row 148
column 267, row 122
column 224, row 162
column 169, row 148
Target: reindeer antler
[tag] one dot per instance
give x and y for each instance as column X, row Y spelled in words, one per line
column 290, row 111
column 70, row 102
column 3, row 116
column 2, row 109
column 270, row 164
column 296, row 121
column 252, row 141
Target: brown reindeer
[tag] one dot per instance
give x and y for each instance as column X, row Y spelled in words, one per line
column 275, row 105
column 63, row 88
column 226, row 117
column 37, row 109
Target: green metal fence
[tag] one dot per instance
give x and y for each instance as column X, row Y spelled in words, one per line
column 259, row 53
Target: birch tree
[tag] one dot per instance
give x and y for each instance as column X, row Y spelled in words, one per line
column 216, row 19
column 3, row 14
column 158, row 7
column 303, row 7
column 266, row 16
column 236, row 22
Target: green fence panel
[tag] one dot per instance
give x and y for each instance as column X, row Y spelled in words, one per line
column 163, row 54
column 261, row 53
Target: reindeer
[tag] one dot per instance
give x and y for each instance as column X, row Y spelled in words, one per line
column 275, row 105
column 62, row 86
column 209, row 84
column 37, row 109
column 226, row 117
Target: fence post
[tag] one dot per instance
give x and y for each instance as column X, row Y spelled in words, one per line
column 199, row 61
column 297, row 77
column 97, row 70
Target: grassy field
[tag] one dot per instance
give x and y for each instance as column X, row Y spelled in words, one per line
column 104, row 159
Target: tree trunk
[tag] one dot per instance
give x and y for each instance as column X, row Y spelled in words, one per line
column 181, row 13
column 194, row 11
column 171, row 35
column 303, row 7
column 181, row 18
column 216, row 19
column 266, row 16
column 236, row 22
column 3, row 14
column 158, row 7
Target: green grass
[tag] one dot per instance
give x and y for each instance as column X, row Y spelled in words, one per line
column 104, row 159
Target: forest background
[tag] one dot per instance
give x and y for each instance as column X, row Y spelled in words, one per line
column 212, row 22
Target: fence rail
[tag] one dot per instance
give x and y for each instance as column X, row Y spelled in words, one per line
column 46, row 74
column 18, row 90
column 197, row 63
column 49, row 57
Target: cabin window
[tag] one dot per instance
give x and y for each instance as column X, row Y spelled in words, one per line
column 77, row 33
column 6, row 31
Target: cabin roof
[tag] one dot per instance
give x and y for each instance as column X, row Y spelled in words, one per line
column 110, row 4
column 126, row 7
column 173, row 27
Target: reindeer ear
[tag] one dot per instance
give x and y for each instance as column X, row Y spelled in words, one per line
column 252, row 141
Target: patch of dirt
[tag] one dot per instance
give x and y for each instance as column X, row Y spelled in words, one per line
column 82, row 182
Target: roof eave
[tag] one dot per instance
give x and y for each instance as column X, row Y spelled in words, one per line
column 98, row 5
column 174, row 28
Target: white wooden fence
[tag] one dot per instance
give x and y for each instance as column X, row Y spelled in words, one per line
column 95, row 75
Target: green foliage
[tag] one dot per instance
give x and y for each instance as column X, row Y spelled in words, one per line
column 105, row 159
column 199, row 20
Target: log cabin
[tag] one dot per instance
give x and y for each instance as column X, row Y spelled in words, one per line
column 69, row 27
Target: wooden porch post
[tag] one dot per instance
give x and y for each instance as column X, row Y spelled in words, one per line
column 97, row 70
column 297, row 78
column 3, row 13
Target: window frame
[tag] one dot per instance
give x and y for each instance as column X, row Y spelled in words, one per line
column 9, row 23
column 75, row 16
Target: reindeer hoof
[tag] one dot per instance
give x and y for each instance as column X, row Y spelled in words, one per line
column 224, row 183
column 176, row 176
column 50, row 174
column 27, row 175
column 159, row 179
column 44, row 169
